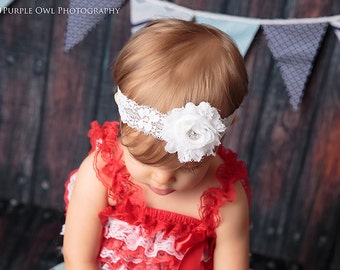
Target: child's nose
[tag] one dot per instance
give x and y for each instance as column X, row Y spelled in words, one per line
column 163, row 177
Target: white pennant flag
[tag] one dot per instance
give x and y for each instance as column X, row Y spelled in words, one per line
column 336, row 27
column 241, row 30
column 144, row 11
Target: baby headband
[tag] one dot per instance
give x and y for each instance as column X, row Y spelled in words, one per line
column 192, row 131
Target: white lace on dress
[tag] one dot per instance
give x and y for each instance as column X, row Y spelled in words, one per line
column 134, row 237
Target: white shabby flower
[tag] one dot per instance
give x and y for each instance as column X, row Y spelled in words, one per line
column 192, row 131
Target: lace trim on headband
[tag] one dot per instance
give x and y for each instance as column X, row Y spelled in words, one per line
column 143, row 118
column 192, row 131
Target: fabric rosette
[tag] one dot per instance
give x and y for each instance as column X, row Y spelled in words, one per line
column 192, row 131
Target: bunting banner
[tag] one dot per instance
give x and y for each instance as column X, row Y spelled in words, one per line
column 84, row 16
column 294, row 43
column 240, row 31
column 144, row 11
column 294, row 47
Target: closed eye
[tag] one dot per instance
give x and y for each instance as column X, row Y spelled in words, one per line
column 191, row 169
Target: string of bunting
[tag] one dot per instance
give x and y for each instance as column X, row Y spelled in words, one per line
column 294, row 43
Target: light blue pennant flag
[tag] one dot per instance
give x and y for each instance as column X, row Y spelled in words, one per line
column 295, row 47
column 241, row 30
column 5, row 3
column 144, row 11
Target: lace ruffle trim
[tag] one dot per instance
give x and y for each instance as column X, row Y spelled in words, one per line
column 135, row 237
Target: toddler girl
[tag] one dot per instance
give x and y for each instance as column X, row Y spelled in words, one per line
column 158, row 191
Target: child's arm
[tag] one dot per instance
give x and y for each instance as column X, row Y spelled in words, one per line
column 83, row 229
column 232, row 243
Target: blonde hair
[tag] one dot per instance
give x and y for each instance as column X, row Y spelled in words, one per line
column 171, row 62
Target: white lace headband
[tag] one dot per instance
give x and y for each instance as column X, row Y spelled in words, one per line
column 192, row 131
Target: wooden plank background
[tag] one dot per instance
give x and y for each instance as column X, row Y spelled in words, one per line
column 48, row 98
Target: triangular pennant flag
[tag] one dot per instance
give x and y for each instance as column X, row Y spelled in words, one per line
column 336, row 27
column 294, row 47
column 242, row 31
column 5, row 3
column 144, row 11
column 83, row 17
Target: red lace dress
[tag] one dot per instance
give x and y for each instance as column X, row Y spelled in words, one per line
column 138, row 237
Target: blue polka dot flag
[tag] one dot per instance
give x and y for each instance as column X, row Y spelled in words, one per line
column 83, row 16
column 294, row 47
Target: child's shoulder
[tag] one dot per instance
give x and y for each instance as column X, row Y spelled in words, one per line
column 237, row 210
column 232, row 233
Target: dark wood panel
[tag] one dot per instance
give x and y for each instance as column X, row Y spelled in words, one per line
column 24, row 47
column 29, row 237
column 319, row 185
column 334, row 261
column 117, row 35
column 74, row 85
column 278, row 161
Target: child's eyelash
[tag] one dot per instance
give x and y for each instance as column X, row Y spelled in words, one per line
column 190, row 169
